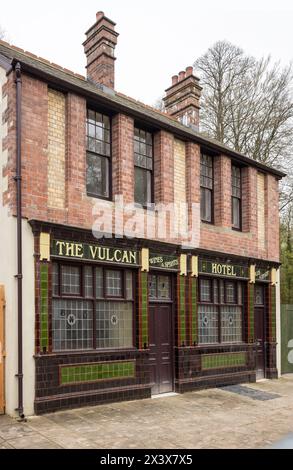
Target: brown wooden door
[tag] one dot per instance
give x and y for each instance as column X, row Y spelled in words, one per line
column 259, row 332
column 161, row 348
column 2, row 350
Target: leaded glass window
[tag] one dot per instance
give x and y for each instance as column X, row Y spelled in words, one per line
column 220, row 311
column 92, row 307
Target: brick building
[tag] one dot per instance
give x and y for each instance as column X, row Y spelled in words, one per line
column 94, row 316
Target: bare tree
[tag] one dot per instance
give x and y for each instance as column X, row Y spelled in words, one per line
column 247, row 103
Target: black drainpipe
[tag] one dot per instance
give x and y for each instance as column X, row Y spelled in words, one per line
column 19, row 275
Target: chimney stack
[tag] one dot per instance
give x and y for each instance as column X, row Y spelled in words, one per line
column 99, row 48
column 182, row 98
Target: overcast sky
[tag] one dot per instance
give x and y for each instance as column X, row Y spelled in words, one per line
column 158, row 38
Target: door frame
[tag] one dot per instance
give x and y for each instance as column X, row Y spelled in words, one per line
column 264, row 308
column 172, row 304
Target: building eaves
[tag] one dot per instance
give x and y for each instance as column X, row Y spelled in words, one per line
column 71, row 81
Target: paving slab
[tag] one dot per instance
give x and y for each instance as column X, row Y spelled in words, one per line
column 206, row 419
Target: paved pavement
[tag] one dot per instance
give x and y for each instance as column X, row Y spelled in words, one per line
column 216, row 418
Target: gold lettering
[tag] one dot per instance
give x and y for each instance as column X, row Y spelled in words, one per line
column 101, row 254
column 132, row 257
column 125, row 258
column 109, row 257
column 229, row 271
column 118, row 256
column 219, row 269
column 70, row 249
column 214, row 268
column 93, row 251
column 233, row 273
column 79, row 250
column 60, row 245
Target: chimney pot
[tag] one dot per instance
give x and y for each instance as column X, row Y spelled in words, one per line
column 189, row 71
column 100, row 15
column 174, row 79
column 181, row 75
column 182, row 98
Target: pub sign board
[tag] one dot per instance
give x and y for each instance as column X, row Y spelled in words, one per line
column 168, row 262
column 94, row 253
column 223, row 269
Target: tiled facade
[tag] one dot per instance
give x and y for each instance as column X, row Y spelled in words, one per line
column 58, row 209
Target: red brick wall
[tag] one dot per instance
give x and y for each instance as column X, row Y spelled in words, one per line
column 78, row 206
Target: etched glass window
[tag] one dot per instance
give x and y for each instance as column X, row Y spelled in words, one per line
column 231, row 324
column 114, row 325
column 220, row 321
column 208, row 324
column 72, row 325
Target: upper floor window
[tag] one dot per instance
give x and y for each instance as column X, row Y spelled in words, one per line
column 206, row 188
column 143, row 167
column 236, row 197
column 98, row 174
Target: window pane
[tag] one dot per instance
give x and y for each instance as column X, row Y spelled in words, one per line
column 259, row 295
column 114, row 325
column 153, row 287
column 208, row 324
column 142, row 187
column 231, row 324
column 114, row 283
column 98, row 132
column 70, row 280
column 55, row 279
column 205, row 290
column 88, row 281
column 206, row 205
column 240, row 293
column 236, row 212
column 129, row 285
column 230, row 292
column 164, row 287
column 216, row 292
column 222, row 296
column 97, row 175
column 99, row 283
column 72, row 325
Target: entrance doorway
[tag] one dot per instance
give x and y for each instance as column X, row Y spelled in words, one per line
column 259, row 331
column 161, row 334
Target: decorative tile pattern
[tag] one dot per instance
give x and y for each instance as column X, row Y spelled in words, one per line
column 44, row 307
column 96, row 372
column 181, row 311
column 144, row 334
column 193, row 310
column 216, row 361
